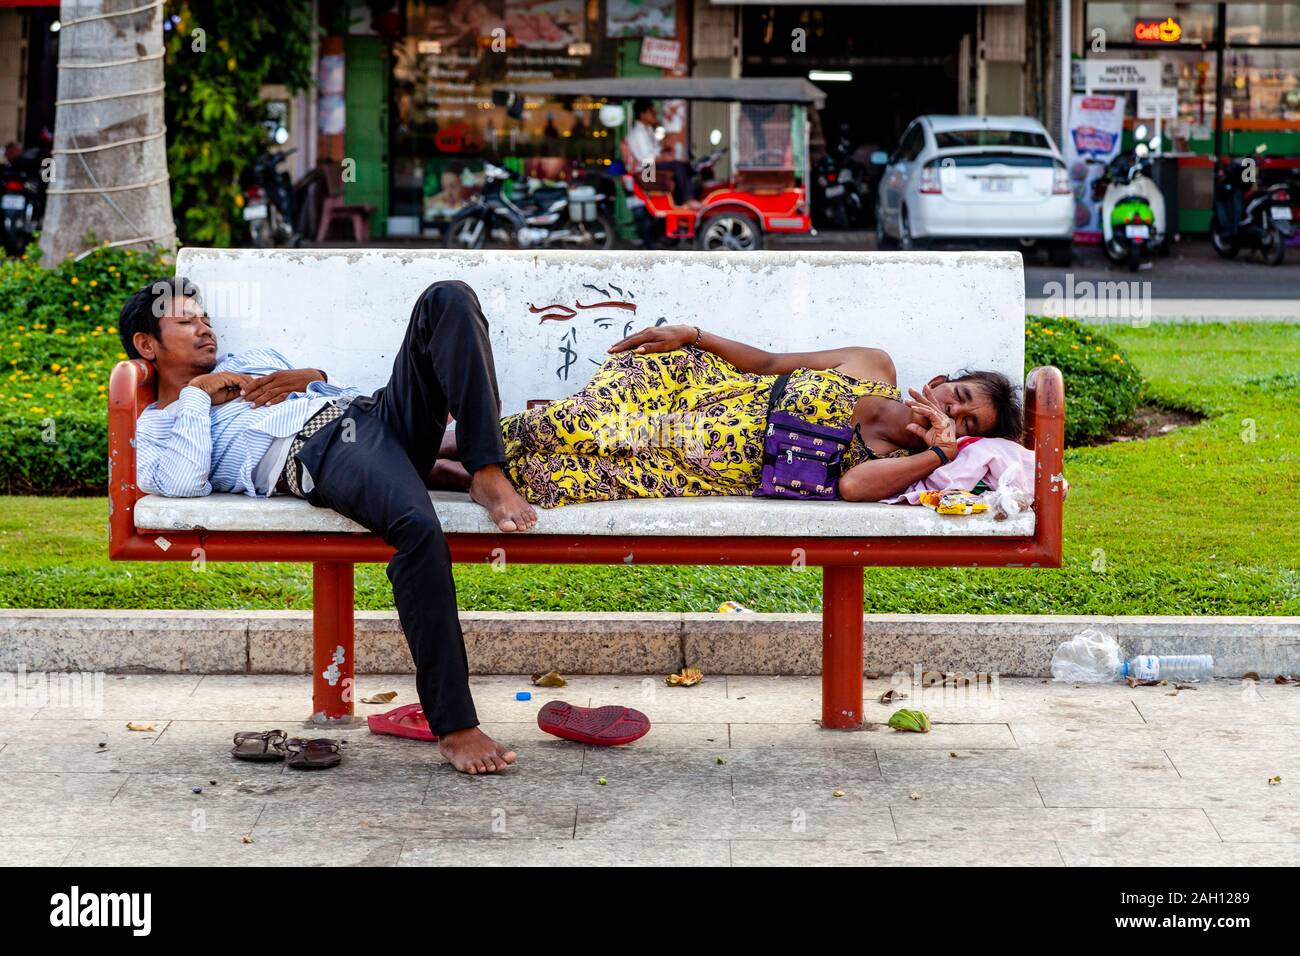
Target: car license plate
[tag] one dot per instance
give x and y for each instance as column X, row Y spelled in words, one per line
column 1137, row 232
column 995, row 185
column 833, row 191
column 13, row 201
column 1278, row 212
column 255, row 211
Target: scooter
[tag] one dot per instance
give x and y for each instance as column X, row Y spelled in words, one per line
column 843, row 194
column 269, row 207
column 546, row 216
column 1246, row 216
column 22, row 200
column 1132, row 208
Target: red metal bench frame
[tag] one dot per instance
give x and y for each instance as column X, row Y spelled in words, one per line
column 132, row 388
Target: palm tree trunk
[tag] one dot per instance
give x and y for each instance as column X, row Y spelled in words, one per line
column 110, row 173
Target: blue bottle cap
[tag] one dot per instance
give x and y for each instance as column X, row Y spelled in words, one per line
column 523, row 695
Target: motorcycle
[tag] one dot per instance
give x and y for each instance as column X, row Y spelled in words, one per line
column 1247, row 216
column 22, row 200
column 570, row 215
column 270, row 203
column 843, row 192
column 1132, row 209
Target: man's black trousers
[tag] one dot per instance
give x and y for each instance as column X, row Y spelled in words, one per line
column 370, row 465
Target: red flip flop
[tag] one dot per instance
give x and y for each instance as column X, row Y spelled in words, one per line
column 406, row 721
column 606, row 726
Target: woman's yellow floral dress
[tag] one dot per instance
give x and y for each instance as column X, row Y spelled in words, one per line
column 665, row 425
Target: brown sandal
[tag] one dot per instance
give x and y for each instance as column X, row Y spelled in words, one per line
column 315, row 754
column 261, row 745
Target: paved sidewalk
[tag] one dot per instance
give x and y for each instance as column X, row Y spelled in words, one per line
column 735, row 772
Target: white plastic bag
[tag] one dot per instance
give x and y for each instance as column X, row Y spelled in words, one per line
column 1090, row 657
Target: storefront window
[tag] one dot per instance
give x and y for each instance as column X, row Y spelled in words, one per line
column 1262, row 85
column 1262, row 24
column 1129, row 23
column 446, row 122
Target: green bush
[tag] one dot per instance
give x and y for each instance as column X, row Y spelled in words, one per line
column 58, row 344
column 1101, row 384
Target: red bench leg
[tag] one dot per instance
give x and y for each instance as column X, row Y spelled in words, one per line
column 333, row 660
column 842, row 647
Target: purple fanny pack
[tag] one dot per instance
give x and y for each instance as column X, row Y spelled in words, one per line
column 800, row 459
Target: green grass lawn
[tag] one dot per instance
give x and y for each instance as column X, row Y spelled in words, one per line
column 1195, row 522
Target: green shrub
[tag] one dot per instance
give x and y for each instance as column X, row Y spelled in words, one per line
column 58, row 344
column 1101, row 384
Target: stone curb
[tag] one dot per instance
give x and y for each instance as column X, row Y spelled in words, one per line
column 501, row 642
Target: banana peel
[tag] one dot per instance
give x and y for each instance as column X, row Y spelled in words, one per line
column 910, row 720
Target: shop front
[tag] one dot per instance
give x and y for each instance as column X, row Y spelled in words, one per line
column 1235, row 72
column 438, row 121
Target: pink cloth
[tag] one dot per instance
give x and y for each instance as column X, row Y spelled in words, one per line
column 995, row 461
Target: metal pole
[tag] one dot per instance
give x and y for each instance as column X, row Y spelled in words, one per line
column 1066, row 82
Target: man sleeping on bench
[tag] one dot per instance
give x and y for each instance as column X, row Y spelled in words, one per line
column 252, row 423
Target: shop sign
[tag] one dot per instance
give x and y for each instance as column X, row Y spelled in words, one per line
column 660, row 53
column 1157, row 104
column 1105, row 75
column 1167, row 30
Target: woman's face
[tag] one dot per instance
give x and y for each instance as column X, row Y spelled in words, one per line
column 967, row 404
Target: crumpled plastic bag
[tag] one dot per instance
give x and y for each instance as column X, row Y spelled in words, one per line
column 1090, row 657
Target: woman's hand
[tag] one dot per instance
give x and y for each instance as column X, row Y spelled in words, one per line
column 942, row 433
column 657, row 338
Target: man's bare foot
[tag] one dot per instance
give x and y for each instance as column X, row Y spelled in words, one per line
column 474, row 752
column 490, row 487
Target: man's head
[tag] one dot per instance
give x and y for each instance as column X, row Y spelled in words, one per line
column 644, row 110
column 980, row 403
column 165, row 323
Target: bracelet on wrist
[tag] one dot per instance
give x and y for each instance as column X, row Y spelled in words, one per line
column 943, row 457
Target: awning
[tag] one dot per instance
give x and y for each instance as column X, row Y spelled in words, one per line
column 777, row 89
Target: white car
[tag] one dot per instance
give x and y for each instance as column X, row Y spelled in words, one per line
column 964, row 178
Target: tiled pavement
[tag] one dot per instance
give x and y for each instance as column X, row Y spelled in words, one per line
column 735, row 772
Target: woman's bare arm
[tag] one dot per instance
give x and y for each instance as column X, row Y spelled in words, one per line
column 886, row 477
column 852, row 360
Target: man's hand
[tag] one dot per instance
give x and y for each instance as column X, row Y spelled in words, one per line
column 222, row 386
column 942, row 432
column 657, row 338
column 271, row 389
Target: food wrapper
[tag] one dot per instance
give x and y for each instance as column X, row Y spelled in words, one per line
column 954, row 501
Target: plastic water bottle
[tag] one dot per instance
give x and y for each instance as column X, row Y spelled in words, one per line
column 1169, row 667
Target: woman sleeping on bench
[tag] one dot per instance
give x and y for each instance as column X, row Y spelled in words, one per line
column 677, row 411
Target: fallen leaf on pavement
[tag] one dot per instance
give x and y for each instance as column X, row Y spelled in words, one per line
column 915, row 795
column 1274, row 781
column 1185, row 687
column 689, row 677
column 1250, row 675
column 142, row 728
column 837, row 793
column 549, row 679
column 1134, row 682
column 892, row 695
column 248, row 839
column 914, row 721
column 383, row 698
column 1286, row 679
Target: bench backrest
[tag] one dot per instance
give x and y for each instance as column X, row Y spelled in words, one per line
column 553, row 314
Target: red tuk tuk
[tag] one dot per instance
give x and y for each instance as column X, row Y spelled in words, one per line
column 768, row 188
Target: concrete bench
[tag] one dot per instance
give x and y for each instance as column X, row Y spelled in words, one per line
column 552, row 315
